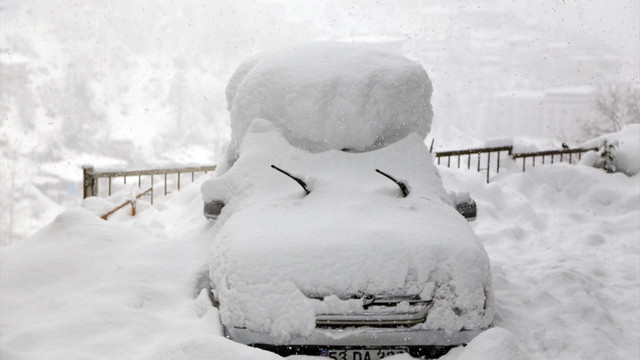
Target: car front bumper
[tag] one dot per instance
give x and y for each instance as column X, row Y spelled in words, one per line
column 419, row 342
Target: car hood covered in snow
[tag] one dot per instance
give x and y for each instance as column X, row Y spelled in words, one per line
column 277, row 252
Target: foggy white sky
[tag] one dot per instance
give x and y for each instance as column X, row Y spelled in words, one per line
column 148, row 65
column 152, row 26
column 614, row 23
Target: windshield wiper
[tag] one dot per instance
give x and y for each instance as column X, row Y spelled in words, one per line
column 298, row 180
column 403, row 187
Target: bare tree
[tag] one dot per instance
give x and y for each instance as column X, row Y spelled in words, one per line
column 634, row 101
column 619, row 104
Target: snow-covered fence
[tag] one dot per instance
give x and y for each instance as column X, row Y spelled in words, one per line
column 563, row 154
column 477, row 152
column 91, row 177
column 131, row 202
column 552, row 154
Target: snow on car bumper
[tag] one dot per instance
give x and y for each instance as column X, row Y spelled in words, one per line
column 368, row 337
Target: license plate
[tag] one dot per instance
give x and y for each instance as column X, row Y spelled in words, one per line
column 363, row 354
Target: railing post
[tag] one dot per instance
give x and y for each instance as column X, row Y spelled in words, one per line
column 488, row 165
column 165, row 184
column 498, row 166
column 89, row 183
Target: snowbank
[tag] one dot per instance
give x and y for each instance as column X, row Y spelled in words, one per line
column 565, row 258
column 84, row 288
column 331, row 96
column 353, row 234
column 493, row 344
column 626, row 152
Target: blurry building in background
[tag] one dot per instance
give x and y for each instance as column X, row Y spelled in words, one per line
column 562, row 113
column 514, row 113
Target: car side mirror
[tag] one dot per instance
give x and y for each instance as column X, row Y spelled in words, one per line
column 212, row 209
column 467, row 208
column 464, row 204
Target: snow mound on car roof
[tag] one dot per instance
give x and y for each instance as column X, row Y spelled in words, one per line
column 331, row 96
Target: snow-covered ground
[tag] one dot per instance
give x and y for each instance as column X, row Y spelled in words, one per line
column 562, row 239
column 564, row 248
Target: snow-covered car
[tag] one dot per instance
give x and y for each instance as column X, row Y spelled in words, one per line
column 349, row 247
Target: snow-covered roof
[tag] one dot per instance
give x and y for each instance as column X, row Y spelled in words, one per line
column 521, row 94
column 8, row 57
column 572, row 90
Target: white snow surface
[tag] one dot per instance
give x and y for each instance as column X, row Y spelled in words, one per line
column 627, row 149
column 84, row 288
column 565, row 254
column 329, row 95
column 353, row 234
column 562, row 240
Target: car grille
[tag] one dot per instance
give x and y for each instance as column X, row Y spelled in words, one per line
column 380, row 312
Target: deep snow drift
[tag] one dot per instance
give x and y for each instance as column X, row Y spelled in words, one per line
column 626, row 150
column 565, row 255
column 331, row 96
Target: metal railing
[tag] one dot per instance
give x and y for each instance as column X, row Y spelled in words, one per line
column 91, row 177
column 561, row 154
column 552, row 154
column 133, row 204
column 478, row 152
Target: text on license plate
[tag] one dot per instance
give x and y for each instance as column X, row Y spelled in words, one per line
column 363, row 354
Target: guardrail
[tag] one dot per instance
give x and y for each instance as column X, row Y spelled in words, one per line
column 132, row 202
column 552, row 154
column 91, row 177
column 478, row 152
column 509, row 149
